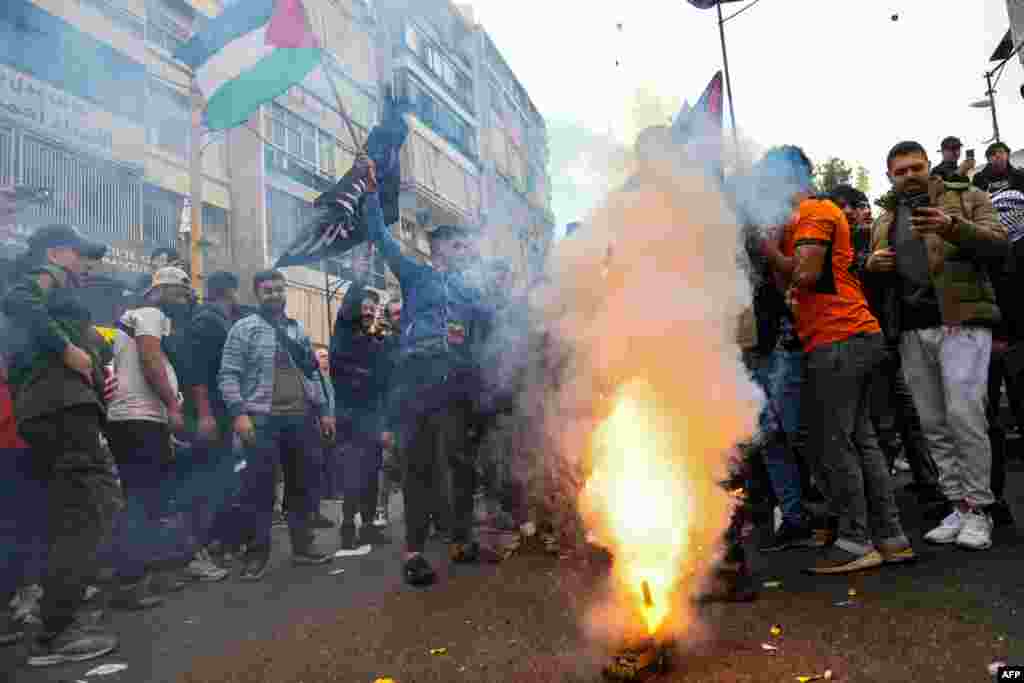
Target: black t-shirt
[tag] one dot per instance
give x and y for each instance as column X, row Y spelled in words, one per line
column 990, row 181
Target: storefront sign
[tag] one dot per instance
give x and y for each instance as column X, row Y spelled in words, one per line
column 28, row 100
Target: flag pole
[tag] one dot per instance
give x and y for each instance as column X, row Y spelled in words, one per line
column 196, row 191
column 728, row 80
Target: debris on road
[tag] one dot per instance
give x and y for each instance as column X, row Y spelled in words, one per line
column 776, row 631
column 772, row 584
column 852, row 592
column 384, row 680
column 438, row 651
column 827, row 676
column 336, row 572
column 361, row 550
column 768, row 647
column 106, row 669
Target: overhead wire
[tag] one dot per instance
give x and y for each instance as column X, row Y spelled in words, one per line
column 740, row 11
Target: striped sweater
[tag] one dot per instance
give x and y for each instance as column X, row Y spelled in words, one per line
column 246, row 377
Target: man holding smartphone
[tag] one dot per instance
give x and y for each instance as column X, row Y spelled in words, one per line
column 950, row 169
column 930, row 255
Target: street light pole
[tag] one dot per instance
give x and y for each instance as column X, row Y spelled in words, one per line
column 728, row 80
column 992, row 104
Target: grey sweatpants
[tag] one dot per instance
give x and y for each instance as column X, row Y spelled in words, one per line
column 946, row 369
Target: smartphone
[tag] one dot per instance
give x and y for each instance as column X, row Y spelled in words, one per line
column 970, row 154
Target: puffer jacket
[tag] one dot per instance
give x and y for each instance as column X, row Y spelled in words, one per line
column 959, row 261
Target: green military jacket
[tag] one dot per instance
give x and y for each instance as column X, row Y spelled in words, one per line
column 50, row 320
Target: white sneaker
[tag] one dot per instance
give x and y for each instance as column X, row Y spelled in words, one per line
column 948, row 531
column 202, row 568
column 976, row 533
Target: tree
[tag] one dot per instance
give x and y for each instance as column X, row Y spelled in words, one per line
column 863, row 181
column 831, row 174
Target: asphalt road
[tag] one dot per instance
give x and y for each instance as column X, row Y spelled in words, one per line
column 945, row 618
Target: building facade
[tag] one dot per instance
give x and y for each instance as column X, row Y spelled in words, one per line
column 94, row 107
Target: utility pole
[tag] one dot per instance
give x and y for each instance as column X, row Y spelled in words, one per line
column 992, row 104
column 728, row 80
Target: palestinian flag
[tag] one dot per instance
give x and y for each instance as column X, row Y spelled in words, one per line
column 252, row 52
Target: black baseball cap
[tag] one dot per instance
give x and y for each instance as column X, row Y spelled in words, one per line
column 950, row 142
column 64, row 235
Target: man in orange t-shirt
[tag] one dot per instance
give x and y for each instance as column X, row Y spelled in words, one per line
column 812, row 257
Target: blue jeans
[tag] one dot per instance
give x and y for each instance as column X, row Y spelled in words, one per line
column 23, row 522
column 782, row 377
column 293, row 441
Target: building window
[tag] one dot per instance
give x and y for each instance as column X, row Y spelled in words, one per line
column 166, row 28
column 441, row 118
column 458, row 82
column 170, row 119
column 104, row 199
column 300, row 150
column 6, row 156
column 163, row 214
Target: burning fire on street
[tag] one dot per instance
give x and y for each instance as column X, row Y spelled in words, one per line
column 658, row 400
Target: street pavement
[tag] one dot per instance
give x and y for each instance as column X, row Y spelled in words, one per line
column 946, row 618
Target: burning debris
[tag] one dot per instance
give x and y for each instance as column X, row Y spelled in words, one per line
column 640, row 661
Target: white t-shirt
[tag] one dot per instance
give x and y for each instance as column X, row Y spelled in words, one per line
column 135, row 399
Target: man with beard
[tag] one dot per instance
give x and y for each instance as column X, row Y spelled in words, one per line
column 813, row 257
column 359, row 360
column 145, row 411
column 439, row 380
column 273, row 390
column 999, row 174
column 931, row 253
column 950, row 169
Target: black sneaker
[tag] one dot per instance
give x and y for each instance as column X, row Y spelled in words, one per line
column 310, row 558
column 11, row 631
column 788, row 536
column 1001, row 514
column 369, row 534
column 418, row 572
column 136, row 596
column 255, row 567
column 319, row 521
column 77, row 643
column 348, row 536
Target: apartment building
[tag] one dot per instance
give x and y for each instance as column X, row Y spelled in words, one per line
column 94, row 107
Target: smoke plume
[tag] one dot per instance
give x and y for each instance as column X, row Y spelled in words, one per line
column 640, row 385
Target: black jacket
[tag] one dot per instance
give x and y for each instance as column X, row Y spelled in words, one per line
column 990, row 182
column 206, row 336
column 360, row 363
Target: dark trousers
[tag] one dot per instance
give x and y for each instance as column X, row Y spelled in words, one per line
column 207, row 481
column 82, row 498
column 292, row 442
column 842, row 441
column 361, row 457
column 438, row 409
column 142, row 451
column 23, row 522
column 997, row 374
column 896, row 422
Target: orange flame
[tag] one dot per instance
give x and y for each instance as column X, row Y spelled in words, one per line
column 642, row 500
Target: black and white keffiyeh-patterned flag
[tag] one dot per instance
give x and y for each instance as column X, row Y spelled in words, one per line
column 335, row 225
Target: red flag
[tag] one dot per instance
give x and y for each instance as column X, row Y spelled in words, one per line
column 707, row 113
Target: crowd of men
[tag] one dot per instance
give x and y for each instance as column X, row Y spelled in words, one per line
column 877, row 342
